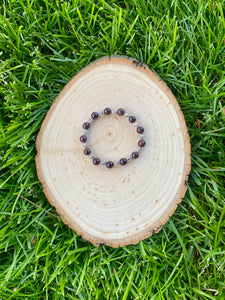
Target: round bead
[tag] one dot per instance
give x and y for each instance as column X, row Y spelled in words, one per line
column 132, row 119
column 87, row 151
column 109, row 164
column 83, row 138
column 141, row 143
column 96, row 161
column 94, row 115
column 107, row 111
column 140, row 129
column 86, row 125
column 123, row 161
column 120, row 111
column 135, row 155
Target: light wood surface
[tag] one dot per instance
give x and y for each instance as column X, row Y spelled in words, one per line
column 125, row 204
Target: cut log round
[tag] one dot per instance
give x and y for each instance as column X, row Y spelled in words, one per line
column 125, row 204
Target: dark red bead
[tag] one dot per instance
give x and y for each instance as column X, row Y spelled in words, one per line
column 109, row 164
column 132, row 119
column 141, row 143
column 107, row 111
column 135, row 155
column 96, row 161
column 94, row 115
column 83, row 138
column 120, row 111
column 123, row 161
column 86, row 125
column 140, row 129
column 87, row 151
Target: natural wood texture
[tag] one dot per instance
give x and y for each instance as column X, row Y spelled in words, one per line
column 125, row 204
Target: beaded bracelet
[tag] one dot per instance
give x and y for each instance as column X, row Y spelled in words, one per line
column 124, row 160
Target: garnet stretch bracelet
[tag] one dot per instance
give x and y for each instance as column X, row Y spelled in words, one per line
column 122, row 161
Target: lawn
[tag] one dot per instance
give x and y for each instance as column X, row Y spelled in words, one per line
column 43, row 44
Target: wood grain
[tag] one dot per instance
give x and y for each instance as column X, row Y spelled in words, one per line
column 125, row 204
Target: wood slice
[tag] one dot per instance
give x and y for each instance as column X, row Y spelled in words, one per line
column 125, row 204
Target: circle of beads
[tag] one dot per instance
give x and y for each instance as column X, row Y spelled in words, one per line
column 122, row 161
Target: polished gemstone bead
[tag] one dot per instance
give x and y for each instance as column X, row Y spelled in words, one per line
column 96, row 161
column 86, row 125
column 87, row 151
column 135, row 155
column 132, row 119
column 107, row 111
column 141, row 143
column 140, row 129
column 94, row 115
column 123, row 161
column 109, row 164
column 120, row 111
column 83, row 138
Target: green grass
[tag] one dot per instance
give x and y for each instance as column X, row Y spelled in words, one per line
column 43, row 44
